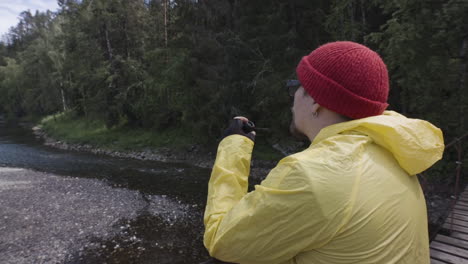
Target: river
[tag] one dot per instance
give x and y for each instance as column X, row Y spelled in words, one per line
column 70, row 207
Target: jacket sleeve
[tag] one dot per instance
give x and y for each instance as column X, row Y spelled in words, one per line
column 271, row 224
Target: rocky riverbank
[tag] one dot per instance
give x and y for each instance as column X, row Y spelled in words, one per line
column 195, row 155
column 192, row 155
column 48, row 218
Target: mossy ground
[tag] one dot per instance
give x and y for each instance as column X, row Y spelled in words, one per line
column 76, row 130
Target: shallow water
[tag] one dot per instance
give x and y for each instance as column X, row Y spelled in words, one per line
column 70, row 207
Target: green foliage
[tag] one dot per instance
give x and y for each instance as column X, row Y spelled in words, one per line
column 70, row 128
column 192, row 65
column 420, row 43
column 10, row 87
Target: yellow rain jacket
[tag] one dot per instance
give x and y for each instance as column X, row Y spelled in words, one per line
column 351, row 197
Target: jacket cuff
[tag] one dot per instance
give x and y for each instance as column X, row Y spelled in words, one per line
column 239, row 139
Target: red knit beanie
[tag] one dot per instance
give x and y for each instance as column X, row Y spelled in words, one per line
column 347, row 78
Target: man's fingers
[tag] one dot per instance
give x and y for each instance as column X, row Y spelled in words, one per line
column 244, row 119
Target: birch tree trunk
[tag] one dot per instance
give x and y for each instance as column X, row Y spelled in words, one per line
column 363, row 13
column 64, row 104
column 109, row 48
column 165, row 28
column 462, row 83
column 351, row 17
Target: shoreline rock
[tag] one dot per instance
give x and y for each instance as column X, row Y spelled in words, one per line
column 193, row 155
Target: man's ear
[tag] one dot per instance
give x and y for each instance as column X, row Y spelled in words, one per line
column 315, row 107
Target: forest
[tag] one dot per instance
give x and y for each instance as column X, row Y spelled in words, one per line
column 194, row 64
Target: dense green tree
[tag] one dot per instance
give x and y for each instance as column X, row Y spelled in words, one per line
column 191, row 64
column 423, row 46
column 10, row 88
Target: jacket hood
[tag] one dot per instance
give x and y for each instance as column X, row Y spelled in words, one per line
column 415, row 144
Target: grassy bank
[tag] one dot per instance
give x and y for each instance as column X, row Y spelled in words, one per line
column 70, row 129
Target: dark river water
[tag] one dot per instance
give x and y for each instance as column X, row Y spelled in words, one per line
column 156, row 208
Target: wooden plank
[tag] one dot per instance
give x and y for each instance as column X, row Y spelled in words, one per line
column 461, row 207
column 459, row 217
column 439, row 255
column 435, row 261
column 462, row 203
column 459, row 235
column 450, row 249
column 456, row 228
column 452, row 241
column 456, row 222
column 456, row 211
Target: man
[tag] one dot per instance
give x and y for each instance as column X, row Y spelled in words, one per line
column 351, row 197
